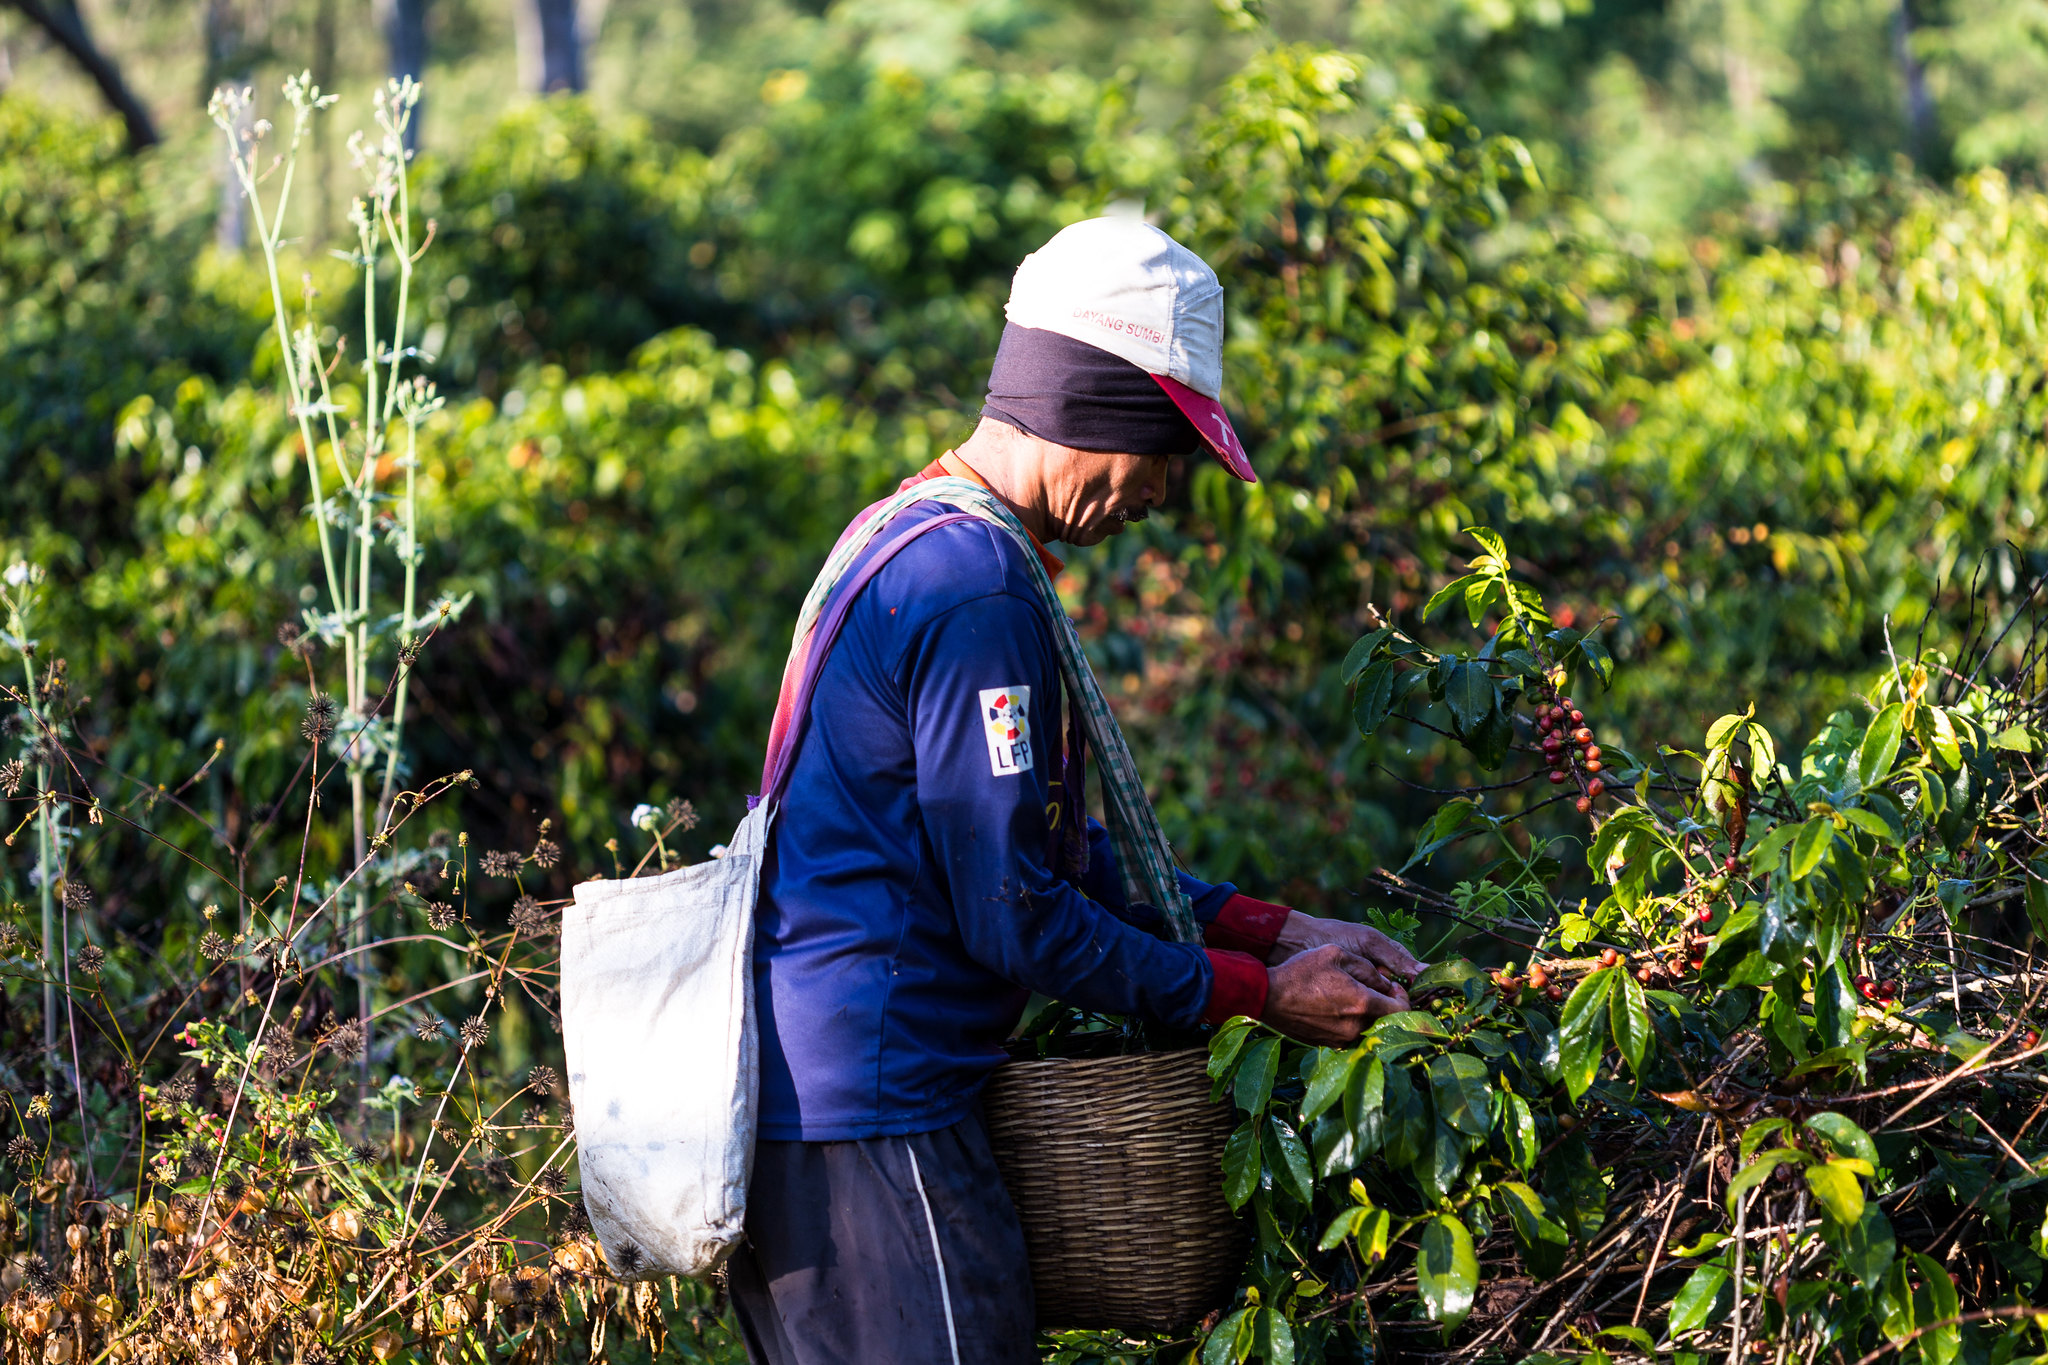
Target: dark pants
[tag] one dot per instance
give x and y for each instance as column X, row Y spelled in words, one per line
column 885, row 1251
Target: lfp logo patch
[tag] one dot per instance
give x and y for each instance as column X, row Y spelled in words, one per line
column 1006, row 722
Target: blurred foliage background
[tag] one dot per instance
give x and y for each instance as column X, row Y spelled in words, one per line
column 1728, row 312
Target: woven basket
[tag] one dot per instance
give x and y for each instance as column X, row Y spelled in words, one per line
column 1116, row 1168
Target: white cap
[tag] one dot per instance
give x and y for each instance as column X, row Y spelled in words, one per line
column 1123, row 286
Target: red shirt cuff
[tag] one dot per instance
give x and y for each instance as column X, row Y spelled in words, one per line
column 1237, row 986
column 1245, row 925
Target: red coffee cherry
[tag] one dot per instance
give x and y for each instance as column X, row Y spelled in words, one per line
column 1582, row 735
column 1593, row 765
column 1595, row 787
column 1593, row 753
column 1556, row 777
column 1583, row 804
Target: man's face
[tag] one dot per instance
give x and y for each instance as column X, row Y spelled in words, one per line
column 1094, row 494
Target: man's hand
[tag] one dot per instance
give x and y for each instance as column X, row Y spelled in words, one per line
column 1388, row 962
column 1320, row 997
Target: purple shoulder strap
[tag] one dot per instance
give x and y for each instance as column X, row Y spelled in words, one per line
column 820, row 647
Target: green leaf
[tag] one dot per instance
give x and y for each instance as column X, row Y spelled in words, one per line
column 1287, row 1158
column 1937, row 734
column 1880, row 745
column 2014, row 738
column 1457, row 1083
column 1478, row 597
column 1721, row 733
column 1539, row 1239
column 1364, row 1093
column 1700, row 1299
column 1842, row 1131
column 1866, row 1250
column 1762, row 750
column 1446, row 1270
column 1452, row 971
column 1754, row 1135
column 1491, row 542
column 1598, row 659
column 1870, row 822
column 1406, row 1119
column 1326, row 1085
column 1444, row 1161
column 1577, row 1185
column 1941, row 1345
column 1764, row 852
column 1376, row 696
column 1255, row 1074
column 1241, row 1164
column 1279, row 1332
column 1582, row 1033
column 1757, row 1171
column 1448, row 593
column 1838, row 1190
column 1629, row 1015
column 1451, row 821
column 1224, row 1047
column 1471, row 694
column 1634, row 1336
column 1834, row 1006
column 1345, row 1224
column 1517, row 1127
column 1331, row 1148
column 1361, row 653
column 1221, row 1347
column 1813, row 840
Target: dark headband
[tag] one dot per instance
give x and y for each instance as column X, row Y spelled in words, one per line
column 1073, row 394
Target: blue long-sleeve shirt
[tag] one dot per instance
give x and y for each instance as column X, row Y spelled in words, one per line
column 908, row 906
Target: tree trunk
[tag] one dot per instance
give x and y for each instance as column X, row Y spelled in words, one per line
column 550, row 45
column 323, row 144
column 1919, row 104
column 404, row 26
column 227, row 64
column 61, row 20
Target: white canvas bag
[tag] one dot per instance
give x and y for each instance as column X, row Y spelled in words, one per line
column 663, row 1059
column 658, row 1003
column 657, row 972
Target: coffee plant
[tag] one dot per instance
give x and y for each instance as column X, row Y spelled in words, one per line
column 1768, row 1086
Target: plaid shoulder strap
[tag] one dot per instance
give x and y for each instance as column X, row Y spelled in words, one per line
column 1141, row 847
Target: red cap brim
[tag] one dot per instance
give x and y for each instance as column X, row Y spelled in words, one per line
column 1214, row 426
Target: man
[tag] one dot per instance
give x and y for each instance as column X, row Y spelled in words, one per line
column 919, row 880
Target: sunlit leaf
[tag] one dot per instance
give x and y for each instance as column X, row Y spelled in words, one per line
column 1880, row 745
column 1812, row 841
column 1583, row 1031
column 1630, row 1017
column 1702, row 1298
column 1838, row 1190
column 1326, row 1084
column 1843, row 1132
column 1446, row 1270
